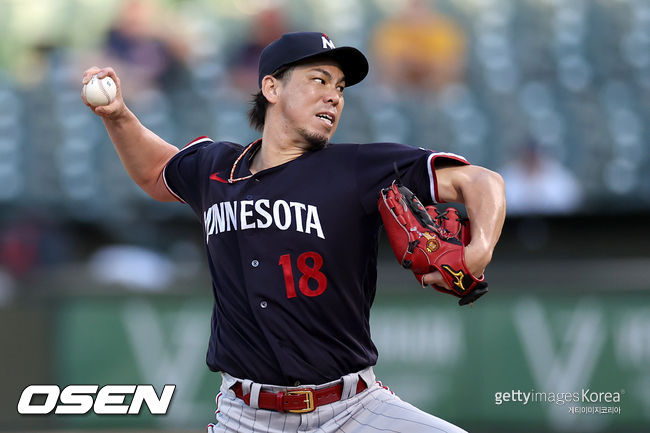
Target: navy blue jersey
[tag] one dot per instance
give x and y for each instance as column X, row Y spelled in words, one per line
column 292, row 252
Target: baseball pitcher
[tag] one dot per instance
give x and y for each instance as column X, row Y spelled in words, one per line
column 291, row 224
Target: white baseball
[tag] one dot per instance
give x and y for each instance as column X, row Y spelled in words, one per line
column 100, row 91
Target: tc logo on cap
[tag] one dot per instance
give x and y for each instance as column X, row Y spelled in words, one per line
column 291, row 48
column 327, row 43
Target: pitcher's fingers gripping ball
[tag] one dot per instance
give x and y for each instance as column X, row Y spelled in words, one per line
column 100, row 91
column 425, row 240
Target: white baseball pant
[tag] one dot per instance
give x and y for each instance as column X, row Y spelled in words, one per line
column 376, row 409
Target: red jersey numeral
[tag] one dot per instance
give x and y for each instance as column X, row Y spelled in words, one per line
column 287, row 270
column 309, row 272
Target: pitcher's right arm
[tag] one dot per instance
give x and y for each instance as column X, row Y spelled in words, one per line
column 143, row 153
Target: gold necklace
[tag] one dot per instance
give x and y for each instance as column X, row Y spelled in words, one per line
column 234, row 166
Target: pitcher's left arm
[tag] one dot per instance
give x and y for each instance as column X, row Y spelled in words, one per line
column 482, row 191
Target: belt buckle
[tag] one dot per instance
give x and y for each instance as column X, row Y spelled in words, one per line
column 309, row 400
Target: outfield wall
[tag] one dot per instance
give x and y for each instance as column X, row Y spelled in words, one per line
column 457, row 363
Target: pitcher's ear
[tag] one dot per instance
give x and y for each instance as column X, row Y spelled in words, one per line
column 270, row 87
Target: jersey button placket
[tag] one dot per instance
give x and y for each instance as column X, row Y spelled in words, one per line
column 255, row 263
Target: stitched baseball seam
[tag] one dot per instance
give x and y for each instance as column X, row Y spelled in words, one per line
column 101, row 87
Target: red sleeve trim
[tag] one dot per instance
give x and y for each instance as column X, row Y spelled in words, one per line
column 197, row 140
column 433, row 182
column 176, row 196
column 201, row 139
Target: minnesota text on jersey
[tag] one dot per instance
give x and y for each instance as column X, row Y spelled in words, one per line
column 261, row 214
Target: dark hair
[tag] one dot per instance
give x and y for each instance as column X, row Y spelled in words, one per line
column 259, row 103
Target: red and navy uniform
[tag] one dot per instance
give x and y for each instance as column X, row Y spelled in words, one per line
column 292, row 252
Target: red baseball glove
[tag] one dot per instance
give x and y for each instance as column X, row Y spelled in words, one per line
column 427, row 239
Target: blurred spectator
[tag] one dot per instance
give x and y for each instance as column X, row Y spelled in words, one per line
column 419, row 49
column 32, row 242
column 131, row 266
column 148, row 52
column 267, row 26
column 19, row 246
column 35, row 65
column 538, row 184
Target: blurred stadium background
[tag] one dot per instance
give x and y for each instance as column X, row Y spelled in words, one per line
column 101, row 285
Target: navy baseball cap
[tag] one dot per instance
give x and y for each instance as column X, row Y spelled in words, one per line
column 294, row 47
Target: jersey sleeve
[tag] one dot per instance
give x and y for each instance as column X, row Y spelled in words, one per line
column 184, row 171
column 416, row 166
